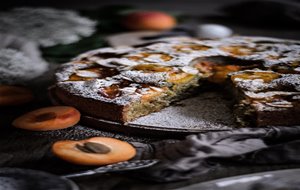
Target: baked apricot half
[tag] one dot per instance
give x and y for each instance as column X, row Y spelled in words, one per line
column 94, row 151
column 267, row 77
column 14, row 95
column 49, row 118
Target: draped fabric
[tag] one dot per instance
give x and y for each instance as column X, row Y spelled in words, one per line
column 200, row 154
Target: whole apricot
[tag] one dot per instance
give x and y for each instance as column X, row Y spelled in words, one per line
column 149, row 20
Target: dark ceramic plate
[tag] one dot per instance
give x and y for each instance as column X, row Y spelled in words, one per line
column 273, row 180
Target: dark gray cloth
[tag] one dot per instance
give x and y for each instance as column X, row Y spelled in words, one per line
column 202, row 153
column 205, row 156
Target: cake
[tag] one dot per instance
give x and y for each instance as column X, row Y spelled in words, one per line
column 124, row 83
column 266, row 98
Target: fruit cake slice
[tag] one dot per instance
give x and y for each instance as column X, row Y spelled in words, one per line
column 266, row 98
column 128, row 95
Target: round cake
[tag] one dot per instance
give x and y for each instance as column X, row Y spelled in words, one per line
column 125, row 83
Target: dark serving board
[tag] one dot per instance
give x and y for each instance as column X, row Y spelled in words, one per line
column 206, row 111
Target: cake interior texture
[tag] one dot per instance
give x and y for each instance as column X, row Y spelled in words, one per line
column 123, row 84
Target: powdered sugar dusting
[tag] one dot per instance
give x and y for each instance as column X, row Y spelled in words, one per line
column 286, row 82
column 158, row 78
column 67, row 69
column 272, row 95
column 206, row 111
column 272, row 100
column 269, row 54
column 268, row 95
column 117, row 51
column 91, row 89
column 289, row 82
column 252, row 85
column 181, row 52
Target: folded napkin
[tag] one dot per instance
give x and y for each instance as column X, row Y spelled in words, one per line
column 205, row 154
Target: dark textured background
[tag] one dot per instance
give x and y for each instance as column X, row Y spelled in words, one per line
column 199, row 9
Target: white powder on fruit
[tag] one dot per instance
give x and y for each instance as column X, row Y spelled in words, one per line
column 92, row 89
column 158, row 78
column 270, row 52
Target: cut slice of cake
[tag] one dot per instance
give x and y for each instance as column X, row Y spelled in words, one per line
column 127, row 95
column 266, row 98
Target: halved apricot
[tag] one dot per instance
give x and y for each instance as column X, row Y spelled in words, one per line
column 94, row 151
column 14, row 95
column 49, row 118
column 252, row 75
column 140, row 56
column 191, row 47
column 152, row 93
column 221, row 72
column 238, row 50
column 180, row 78
column 92, row 73
column 111, row 92
column 152, row 68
